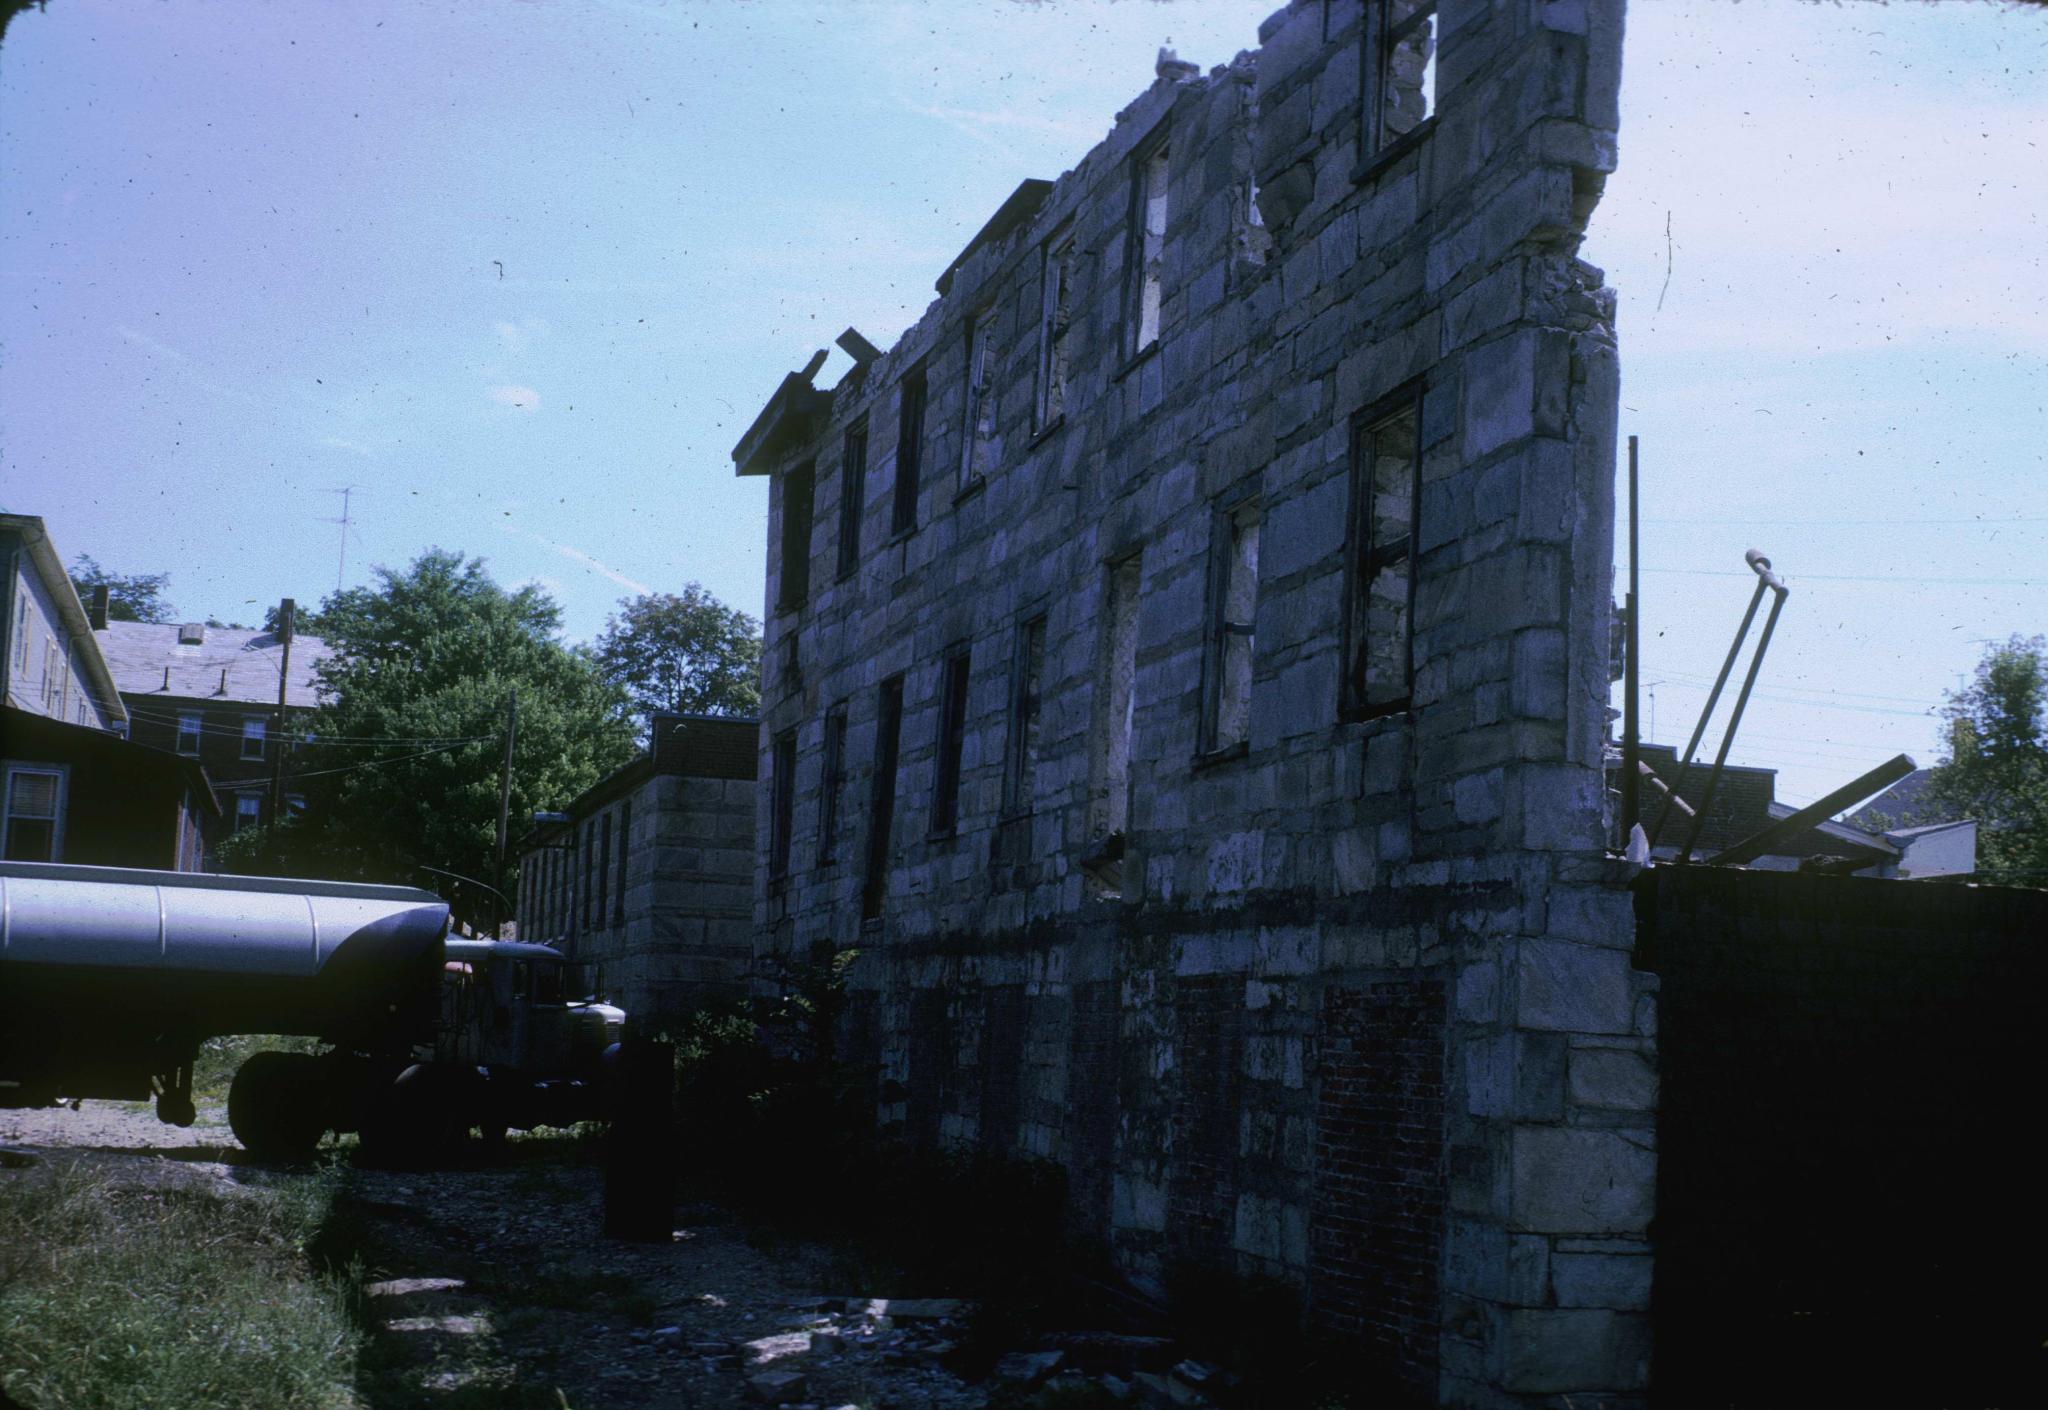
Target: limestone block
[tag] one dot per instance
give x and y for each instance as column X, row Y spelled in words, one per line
column 1552, row 1350
column 1568, row 1180
column 1572, row 988
column 1617, row 1281
column 1616, row 1079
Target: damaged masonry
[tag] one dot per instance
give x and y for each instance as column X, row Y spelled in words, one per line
column 1186, row 682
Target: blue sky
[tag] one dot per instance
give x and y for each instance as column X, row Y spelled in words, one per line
column 522, row 272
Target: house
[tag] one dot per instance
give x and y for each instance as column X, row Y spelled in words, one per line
column 211, row 693
column 1185, row 675
column 71, row 787
column 648, row 874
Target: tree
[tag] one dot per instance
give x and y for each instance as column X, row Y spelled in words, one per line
column 1996, row 767
column 685, row 651
column 402, row 770
column 132, row 597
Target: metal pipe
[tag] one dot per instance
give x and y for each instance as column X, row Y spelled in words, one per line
column 1631, row 721
column 1848, row 795
column 1713, row 698
column 1761, row 566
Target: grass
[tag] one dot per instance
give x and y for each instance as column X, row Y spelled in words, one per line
column 114, row 1297
column 219, row 1058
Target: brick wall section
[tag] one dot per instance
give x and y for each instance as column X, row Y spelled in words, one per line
column 1379, row 1202
column 1201, row 1200
column 1089, row 1132
column 1457, row 841
column 1849, row 1198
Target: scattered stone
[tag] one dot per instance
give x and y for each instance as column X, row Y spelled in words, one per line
column 778, row 1387
column 1113, row 1352
column 916, row 1309
column 827, row 1343
column 1029, row 1367
column 780, row 1347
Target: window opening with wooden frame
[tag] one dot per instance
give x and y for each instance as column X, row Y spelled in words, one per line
column 1379, row 618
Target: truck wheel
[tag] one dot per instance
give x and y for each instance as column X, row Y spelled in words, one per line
column 413, row 1124
column 276, row 1107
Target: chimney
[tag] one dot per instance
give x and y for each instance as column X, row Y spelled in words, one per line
column 1173, row 68
column 96, row 614
column 287, row 619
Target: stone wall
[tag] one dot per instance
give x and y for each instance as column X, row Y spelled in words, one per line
column 1319, row 986
column 1849, row 1201
column 652, row 877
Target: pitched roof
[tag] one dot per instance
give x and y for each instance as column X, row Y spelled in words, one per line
column 227, row 664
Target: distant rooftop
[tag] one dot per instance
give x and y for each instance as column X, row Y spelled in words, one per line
column 226, row 664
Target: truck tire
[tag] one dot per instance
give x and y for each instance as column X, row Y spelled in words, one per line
column 276, row 1107
column 413, row 1124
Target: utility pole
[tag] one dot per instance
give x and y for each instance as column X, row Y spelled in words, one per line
column 505, row 802
column 287, row 628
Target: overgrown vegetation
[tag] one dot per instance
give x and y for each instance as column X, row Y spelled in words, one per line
column 115, row 1296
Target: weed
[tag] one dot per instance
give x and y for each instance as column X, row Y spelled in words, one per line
column 118, row 1297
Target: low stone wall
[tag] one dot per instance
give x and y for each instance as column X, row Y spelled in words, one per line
column 1849, row 1199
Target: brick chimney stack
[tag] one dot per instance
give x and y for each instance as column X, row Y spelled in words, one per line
column 96, row 612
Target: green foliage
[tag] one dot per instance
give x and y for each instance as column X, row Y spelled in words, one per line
column 133, row 597
column 402, row 770
column 114, row 1297
column 686, row 652
column 219, row 1059
column 1996, row 769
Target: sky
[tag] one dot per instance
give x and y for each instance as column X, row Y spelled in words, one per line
column 520, row 272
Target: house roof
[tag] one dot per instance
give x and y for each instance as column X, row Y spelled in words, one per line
column 49, row 565
column 1903, row 799
column 1744, row 804
column 223, row 665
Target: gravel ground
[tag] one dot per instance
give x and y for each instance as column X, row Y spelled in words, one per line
column 492, row 1285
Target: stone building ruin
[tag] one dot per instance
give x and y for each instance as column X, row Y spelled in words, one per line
column 1186, row 677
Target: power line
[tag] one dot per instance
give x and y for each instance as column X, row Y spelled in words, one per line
column 373, row 763
column 1858, row 578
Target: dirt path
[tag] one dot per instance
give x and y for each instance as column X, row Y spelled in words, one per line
column 492, row 1286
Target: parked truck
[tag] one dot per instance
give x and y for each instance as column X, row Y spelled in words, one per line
column 111, row 979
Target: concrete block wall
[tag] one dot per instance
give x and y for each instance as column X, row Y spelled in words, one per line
column 1361, row 1014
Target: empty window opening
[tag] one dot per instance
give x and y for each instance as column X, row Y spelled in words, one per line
column 1400, row 71
column 952, row 741
column 977, row 451
column 584, row 881
column 783, row 769
column 604, row 866
column 882, row 801
column 625, row 848
column 1054, row 318
column 1147, row 250
column 254, row 731
column 797, row 489
column 853, row 486
column 188, row 732
column 832, row 785
column 909, row 451
column 35, row 808
column 1234, row 607
column 1118, row 704
column 1386, row 483
column 1020, row 777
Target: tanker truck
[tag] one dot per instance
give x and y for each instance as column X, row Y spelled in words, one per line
column 111, row 979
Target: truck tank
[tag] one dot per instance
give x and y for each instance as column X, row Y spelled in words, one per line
column 101, row 963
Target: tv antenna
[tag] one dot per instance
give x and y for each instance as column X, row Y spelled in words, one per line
column 341, row 564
